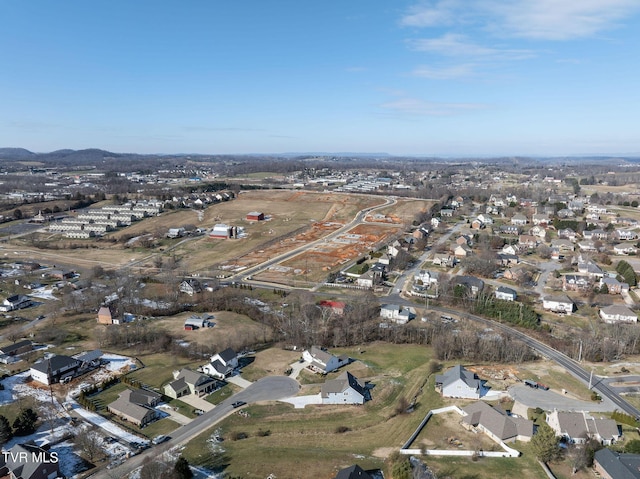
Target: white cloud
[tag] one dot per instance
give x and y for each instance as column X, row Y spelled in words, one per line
column 535, row 19
column 418, row 107
column 429, row 14
column 561, row 19
column 445, row 73
column 452, row 44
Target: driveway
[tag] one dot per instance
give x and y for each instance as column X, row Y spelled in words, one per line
column 550, row 400
column 297, row 367
column 239, row 381
column 196, row 402
column 300, row 402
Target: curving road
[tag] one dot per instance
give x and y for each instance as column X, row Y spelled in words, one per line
column 270, row 388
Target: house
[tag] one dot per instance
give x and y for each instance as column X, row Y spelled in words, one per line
column 610, row 464
column 625, row 235
column 353, row 472
column 496, row 423
column 478, row 224
column 190, row 286
column 221, row 231
column 625, row 249
column 446, row 212
column 104, row 315
column 366, row 280
column 509, row 230
column 485, row 219
column 444, row 259
column 539, row 232
column 567, row 233
column 464, row 239
column 28, row 461
column 144, row 397
column 590, row 269
column 511, row 249
column 462, row 251
column 125, row 408
column 575, row 282
column 579, row 427
column 597, row 234
column 395, row 313
column 613, row 285
column 175, row 233
column 457, row 382
column 323, row 362
column 505, row 294
column 54, row 369
column 540, row 219
column 255, row 216
column 17, row 301
column 618, row 314
column 504, row 259
column 519, row 219
column 558, row 304
column 527, row 241
column 473, row 285
column 563, row 245
column 435, row 222
column 16, row 349
column 194, row 322
column 336, row 307
column 222, row 364
column 345, row 389
column 426, row 277
column 187, row 382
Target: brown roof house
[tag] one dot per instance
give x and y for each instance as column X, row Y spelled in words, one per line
column 139, row 413
column 104, row 315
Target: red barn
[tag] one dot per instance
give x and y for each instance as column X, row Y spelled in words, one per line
column 255, row 216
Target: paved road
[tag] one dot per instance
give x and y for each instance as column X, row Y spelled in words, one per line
column 550, row 400
column 266, row 389
column 623, row 384
column 597, row 384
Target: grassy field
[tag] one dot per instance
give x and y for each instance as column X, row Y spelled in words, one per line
column 309, row 437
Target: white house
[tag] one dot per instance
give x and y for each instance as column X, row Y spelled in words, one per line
column 618, row 314
column 457, row 382
column 54, row 369
column 395, row 313
column 506, row 294
column 558, row 304
column 222, row 364
column 578, row 427
column 321, row 361
column 345, row 389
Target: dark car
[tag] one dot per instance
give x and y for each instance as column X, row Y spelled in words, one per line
column 238, row 404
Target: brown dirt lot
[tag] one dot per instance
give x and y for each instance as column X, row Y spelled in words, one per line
column 445, row 431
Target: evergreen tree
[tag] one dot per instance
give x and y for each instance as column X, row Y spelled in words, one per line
column 182, row 469
column 545, row 443
column 5, row 430
column 25, row 423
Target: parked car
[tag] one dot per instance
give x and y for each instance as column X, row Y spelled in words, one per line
column 238, row 404
column 160, row 439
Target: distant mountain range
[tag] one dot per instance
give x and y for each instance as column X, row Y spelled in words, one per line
column 94, row 156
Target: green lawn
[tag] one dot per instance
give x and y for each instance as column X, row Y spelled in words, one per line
column 223, row 393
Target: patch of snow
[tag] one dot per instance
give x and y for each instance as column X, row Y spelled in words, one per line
column 103, row 423
column 43, row 294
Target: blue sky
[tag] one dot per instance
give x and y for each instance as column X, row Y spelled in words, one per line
column 448, row 77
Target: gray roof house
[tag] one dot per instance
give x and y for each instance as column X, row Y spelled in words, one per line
column 506, row 294
column 189, row 382
column 496, row 423
column 125, row 408
column 345, row 389
column 353, row 472
column 55, row 368
column 457, row 382
column 222, row 364
column 578, row 427
column 40, row 463
column 614, row 465
column 322, row 361
column 618, row 314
